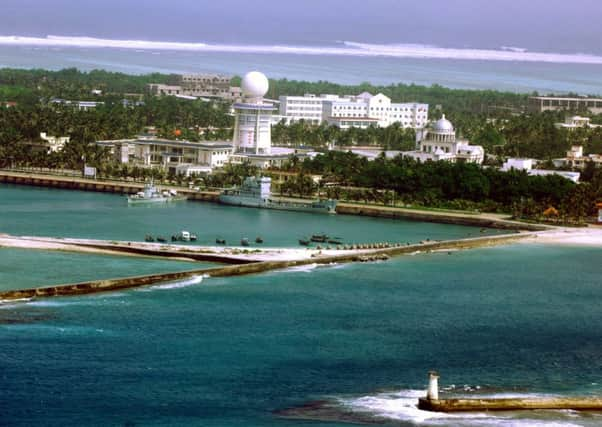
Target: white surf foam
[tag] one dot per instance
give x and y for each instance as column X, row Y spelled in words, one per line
column 402, row 406
column 10, row 303
column 195, row 280
column 307, row 268
column 347, row 48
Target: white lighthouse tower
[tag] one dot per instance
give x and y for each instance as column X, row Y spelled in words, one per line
column 252, row 125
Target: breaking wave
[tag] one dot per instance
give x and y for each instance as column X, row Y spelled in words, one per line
column 345, row 48
column 308, row 268
column 401, row 407
column 180, row 283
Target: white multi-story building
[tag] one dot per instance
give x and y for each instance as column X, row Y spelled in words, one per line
column 440, row 143
column 556, row 103
column 360, row 111
column 176, row 156
column 191, row 86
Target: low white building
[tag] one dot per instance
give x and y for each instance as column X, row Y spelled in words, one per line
column 176, row 156
column 528, row 164
column 440, row 143
column 80, row 105
column 348, row 111
column 54, row 143
column 575, row 122
column 575, row 159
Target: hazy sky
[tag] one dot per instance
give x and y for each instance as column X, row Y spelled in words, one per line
column 547, row 25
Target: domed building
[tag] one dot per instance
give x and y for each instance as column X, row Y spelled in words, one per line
column 439, row 143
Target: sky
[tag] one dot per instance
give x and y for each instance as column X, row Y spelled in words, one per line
column 538, row 25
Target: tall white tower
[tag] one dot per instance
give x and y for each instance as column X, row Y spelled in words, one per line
column 252, row 123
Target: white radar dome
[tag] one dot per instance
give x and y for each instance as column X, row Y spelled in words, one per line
column 254, row 84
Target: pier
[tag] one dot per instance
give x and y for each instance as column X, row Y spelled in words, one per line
column 245, row 262
column 432, row 402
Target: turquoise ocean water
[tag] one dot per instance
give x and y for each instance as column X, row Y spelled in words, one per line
column 521, row 319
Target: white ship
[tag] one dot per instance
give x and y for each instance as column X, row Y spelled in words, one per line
column 255, row 193
column 152, row 195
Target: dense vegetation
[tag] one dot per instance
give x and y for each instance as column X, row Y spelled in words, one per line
column 444, row 184
column 28, row 86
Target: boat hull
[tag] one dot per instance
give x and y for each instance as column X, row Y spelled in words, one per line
column 328, row 207
column 153, row 200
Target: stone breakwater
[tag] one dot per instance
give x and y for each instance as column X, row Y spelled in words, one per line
column 511, row 404
column 253, row 266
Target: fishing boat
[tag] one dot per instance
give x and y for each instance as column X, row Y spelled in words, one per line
column 304, row 242
column 151, row 194
column 258, row 240
column 220, row 241
column 319, row 238
column 255, row 192
column 244, row 241
column 183, row 236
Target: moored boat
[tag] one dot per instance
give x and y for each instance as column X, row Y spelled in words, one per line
column 319, row 238
column 255, row 192
column 151, row 194
column 183, row 236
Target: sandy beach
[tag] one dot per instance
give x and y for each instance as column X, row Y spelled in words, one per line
column 587, row 236
column 234, row 252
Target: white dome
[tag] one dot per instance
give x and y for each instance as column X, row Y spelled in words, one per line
column 254, row 84
column 443, row 125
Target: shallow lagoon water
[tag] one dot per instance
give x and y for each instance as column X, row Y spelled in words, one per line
column 61, row 213
column 229, row 351
column 24, row 268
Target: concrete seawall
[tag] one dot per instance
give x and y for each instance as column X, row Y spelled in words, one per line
column 84, row 184
column 489, row 221
column 253, row 267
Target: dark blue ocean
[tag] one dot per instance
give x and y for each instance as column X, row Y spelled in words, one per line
column 514, row 320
